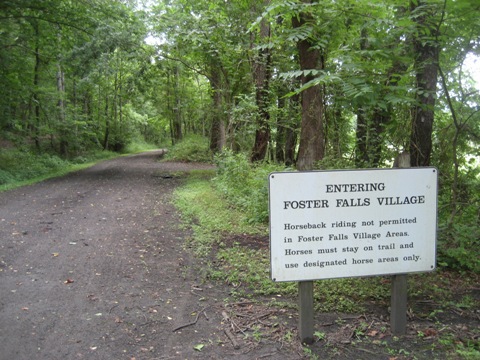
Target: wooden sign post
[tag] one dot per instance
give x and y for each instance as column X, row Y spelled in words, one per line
column 349, row 223
column 398, row 296
column 305, row 310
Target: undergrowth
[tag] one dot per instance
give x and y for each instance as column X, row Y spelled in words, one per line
column 208, row 215
column 244, row 185
column 213, row 219
column 193, row 148
column 19, row 167
column 234, row 200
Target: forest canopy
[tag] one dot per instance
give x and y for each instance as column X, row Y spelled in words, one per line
column 298, row 83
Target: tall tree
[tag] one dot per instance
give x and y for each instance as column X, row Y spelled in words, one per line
column 262, row 64
column 426, row 58
column 311, row 147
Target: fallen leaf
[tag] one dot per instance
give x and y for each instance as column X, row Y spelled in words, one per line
column 430, row 332
column 373, row 333
column 199, row 347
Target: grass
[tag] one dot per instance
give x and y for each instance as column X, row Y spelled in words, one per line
column 433, row 296
column 193, row 148
column 23, row 168
column 213, row 220
column 209, row 216
column 19, row 168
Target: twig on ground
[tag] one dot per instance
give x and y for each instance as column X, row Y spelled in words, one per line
column 191, row 323
column 241, row 303
column 232, row 323
column 229, row 334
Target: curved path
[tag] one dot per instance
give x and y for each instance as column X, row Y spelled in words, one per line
column 92, row 266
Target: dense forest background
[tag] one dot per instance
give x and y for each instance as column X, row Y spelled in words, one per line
column 290, row 83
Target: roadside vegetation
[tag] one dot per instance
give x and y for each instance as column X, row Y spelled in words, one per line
column 257, row 87
column 227, row 209
column 22, row 166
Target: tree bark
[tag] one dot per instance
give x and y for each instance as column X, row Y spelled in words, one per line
column 61, row 110
column 262, row 74
column 312, row 139
column 106, row 138
column 217, row 132
column 361, row 152
column 361, row 144
column 177, row 119
column 36, row 81
column 426, row 50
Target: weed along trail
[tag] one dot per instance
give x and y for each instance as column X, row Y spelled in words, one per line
column 92, row 266
column 98, row 265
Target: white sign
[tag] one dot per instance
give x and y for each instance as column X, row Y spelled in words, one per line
column 332, row 224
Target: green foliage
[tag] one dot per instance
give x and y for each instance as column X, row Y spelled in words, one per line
column 208, row 214
column 22, row 167
column 193, row 148
column 349, row 295
column 138, row 146
column 244, row 184
column 240, row 265
column 459, row 247
column 459, row 230
column 70, row 73
column 215, row 221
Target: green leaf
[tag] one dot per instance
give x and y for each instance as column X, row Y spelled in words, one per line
column 199, row 347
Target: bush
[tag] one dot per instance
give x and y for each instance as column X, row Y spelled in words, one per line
column 459, row 248
column 5, row 177
column 17, row 166
column 245, row 185
column 459, row 235
column 22, row 166
column 193, row 148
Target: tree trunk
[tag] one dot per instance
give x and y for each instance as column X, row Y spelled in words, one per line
column 380, row 118
column 177, row 119
column 361, row 152
column 262, row 74
column 426, row 50
column 106, row 138
column 370, row 125
column 61, row 111
column 312, row 139
column 281, row 132
column 217, row 132
column 361, row 147
column 290, row 145
column 36, row 81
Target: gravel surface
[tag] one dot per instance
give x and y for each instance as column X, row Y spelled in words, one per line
column 92, row 266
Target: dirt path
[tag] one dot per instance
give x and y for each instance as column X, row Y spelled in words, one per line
column 92, row 266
